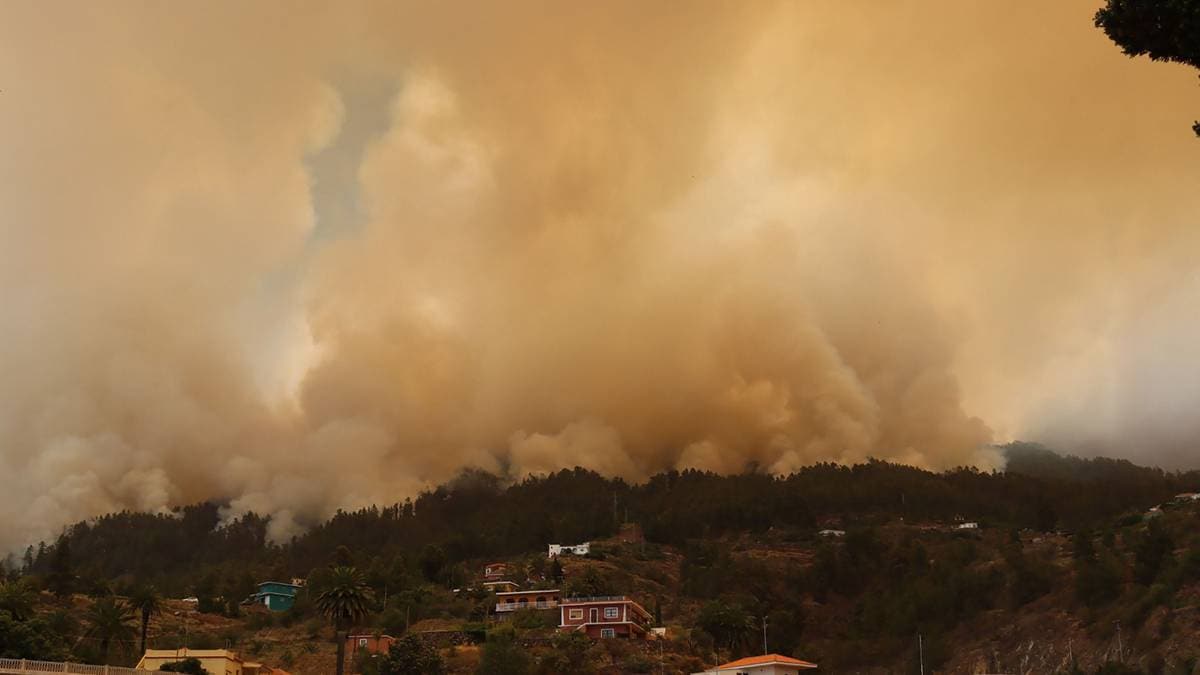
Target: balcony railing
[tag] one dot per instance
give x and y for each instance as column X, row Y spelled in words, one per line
column 514, row 606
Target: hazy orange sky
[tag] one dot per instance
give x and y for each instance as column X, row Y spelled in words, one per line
column 303, row 261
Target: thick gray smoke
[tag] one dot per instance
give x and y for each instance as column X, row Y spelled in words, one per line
column 310, row 262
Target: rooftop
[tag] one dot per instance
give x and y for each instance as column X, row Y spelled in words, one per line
column 766, row 660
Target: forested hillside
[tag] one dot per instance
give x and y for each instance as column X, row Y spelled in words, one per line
column 478, row 515
column 1064, row 545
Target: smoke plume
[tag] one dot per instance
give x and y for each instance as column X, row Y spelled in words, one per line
column 311, row 261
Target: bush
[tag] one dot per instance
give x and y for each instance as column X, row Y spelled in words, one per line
column 313, row 627
column 639, row 663
column 1097, row 583
column 532, row 619
column 210, row 605
column 205, row 641
column 410, row 655
column 503, row 656
column 188, row 665
column 258, row 620
column 477, row 632
column 392, row 621
column 231, row 637
column 569, row 655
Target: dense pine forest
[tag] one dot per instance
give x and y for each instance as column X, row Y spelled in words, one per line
column 719, row 556
column 478, row 516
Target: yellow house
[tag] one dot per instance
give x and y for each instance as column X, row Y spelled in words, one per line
column 215, row 661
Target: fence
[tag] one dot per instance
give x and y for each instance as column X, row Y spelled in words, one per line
column 18, row 666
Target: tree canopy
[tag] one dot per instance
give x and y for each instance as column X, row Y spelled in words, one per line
column 1164, row 30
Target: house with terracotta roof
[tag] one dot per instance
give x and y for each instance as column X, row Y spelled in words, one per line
column 604, row 617
column 767, row 664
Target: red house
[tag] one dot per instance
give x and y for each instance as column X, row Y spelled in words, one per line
column 495, row 571
column 371, row 644
column 604, row 617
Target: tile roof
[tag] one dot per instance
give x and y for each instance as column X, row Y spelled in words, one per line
column 766, row 660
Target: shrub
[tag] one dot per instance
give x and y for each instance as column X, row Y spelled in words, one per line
column 205, row 641
column 639, row 663
column 188, row 665
column 503, row 656
column 259, row 620
column 410, row 655
column 532, row 619
column 477, row 632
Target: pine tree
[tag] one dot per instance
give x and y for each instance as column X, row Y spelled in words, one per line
column 62, row 575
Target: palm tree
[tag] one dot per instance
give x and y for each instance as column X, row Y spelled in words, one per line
column 17, row 598
column 344, row 603
column 145, row 599
column 108, row 620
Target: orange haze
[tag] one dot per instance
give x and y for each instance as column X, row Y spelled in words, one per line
column 304, row 262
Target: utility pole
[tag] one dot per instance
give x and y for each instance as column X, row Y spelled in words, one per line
column 764, row 622
column 661, row 667
column 1120, row 655
column 921, row 652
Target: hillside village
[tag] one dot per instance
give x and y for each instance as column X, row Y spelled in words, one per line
column 849, row 587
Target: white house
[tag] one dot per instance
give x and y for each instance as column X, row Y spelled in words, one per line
column 578, row 549
column 767, row 664
column 832, row 533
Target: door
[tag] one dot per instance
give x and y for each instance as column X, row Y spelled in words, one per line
column 594, row 615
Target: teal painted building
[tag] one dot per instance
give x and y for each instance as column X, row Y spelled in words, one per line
column 276, row 595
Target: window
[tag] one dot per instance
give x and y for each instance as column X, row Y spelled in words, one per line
column 611, row 612
column 608, row 633
column 575, row 614
column 362, row 642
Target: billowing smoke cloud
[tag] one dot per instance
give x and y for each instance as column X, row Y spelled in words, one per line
column 310, row 262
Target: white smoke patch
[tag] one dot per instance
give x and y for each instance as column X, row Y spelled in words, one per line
column 589, row 444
